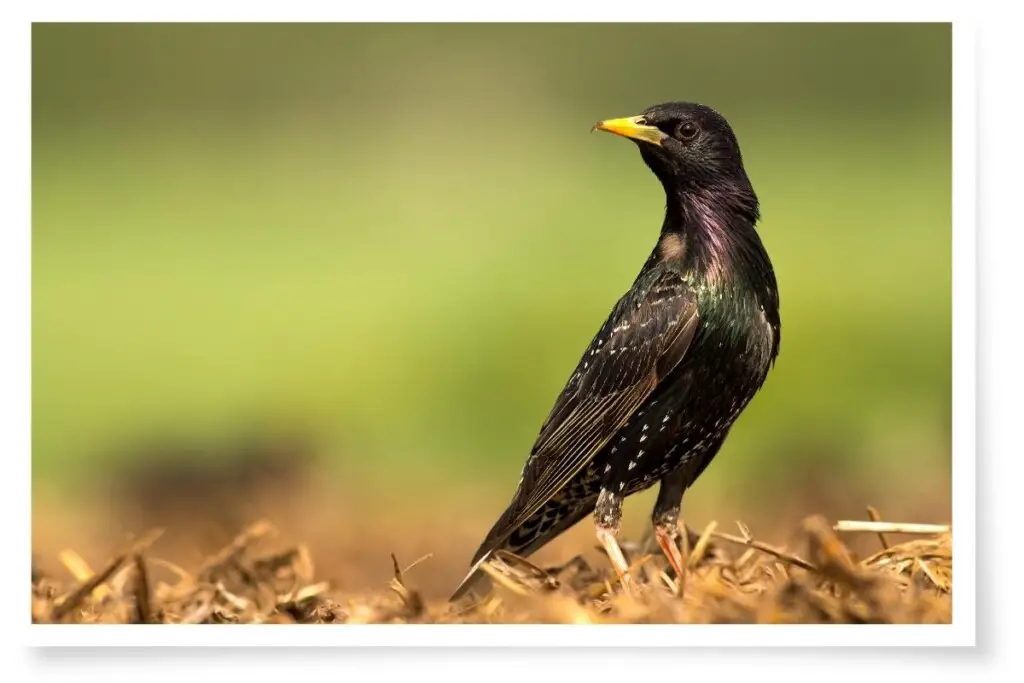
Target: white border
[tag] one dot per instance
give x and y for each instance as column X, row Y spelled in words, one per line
column 520, row 11
column 964, row 321
column 961, row 632
column 502, row 635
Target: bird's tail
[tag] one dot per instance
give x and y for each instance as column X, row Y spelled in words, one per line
column 500, row 536
column 525, row 540
column 476, row 579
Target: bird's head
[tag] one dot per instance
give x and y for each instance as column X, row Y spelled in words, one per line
column 687, row 145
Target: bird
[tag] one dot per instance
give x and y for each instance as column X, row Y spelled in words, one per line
column 680, row 356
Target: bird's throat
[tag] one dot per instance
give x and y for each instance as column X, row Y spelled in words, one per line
column 711, row 233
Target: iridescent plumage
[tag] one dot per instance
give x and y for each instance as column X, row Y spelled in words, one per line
column 680, row 356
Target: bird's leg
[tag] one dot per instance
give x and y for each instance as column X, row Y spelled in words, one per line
column 607, row 516
column 665, row 520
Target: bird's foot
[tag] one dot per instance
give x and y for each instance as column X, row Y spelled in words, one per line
column 607, row 514
column 666, row 534
column 607, row 537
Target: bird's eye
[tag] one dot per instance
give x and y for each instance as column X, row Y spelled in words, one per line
column 687, row 131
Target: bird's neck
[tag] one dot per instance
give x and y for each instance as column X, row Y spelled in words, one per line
column 711, row 233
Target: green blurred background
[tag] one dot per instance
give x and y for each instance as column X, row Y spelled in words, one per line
column 399, row 238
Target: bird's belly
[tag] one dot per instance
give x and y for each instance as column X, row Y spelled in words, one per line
column 684, row 421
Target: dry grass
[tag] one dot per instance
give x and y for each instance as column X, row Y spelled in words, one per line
column 730, row 578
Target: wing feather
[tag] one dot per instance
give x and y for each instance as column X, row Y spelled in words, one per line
column 643, row 339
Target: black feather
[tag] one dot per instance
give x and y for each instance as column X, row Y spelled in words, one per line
column 680, row 356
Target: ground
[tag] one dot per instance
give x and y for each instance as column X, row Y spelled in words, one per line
column 302, row 565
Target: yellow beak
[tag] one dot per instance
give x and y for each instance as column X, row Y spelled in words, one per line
column 633, row 127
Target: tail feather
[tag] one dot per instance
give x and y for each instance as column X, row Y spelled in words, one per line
column 497, row 537
column 520, row 542
column 474, row 579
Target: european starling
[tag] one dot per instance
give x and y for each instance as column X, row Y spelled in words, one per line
column 680, row 356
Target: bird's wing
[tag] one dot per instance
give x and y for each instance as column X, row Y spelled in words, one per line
column 643, row 339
